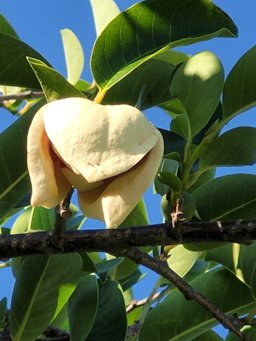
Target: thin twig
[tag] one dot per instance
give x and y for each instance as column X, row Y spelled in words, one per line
column 62, row 214
column 162, row 268
column 21, row 96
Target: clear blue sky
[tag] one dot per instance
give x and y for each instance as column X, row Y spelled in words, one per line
column 39, row 25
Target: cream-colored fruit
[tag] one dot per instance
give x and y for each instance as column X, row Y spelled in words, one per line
column 109, row 153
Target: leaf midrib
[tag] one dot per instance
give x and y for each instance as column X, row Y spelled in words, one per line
column 10, row 187
column 28, row 312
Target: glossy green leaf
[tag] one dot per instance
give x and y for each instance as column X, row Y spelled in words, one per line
column 107, row 265
column 236, row 147
column 198, row 85
column 103, row 12
column 111, row 322
column 6, row 28
column 61, row 320
column 171, row 319
column 153, row 77
column 82, row 307
column 222, row 197
column 42, row 219
column 137, row 217
column 14, row 183
column 132, row 279
column 21, row 223
column 210, row 335
column 246, row 264
column 74, row 55
column 225, row 255
column 181, row 260
column 15, row 69
column 239, row 93
column 180, row 125
column 202, row 179
column 167, row 165
column 149, row 28
column 53, row 84
column 170, row 179
column 43, row 286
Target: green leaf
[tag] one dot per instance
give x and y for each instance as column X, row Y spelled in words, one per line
column 107, row 265
column 180, row 125
column 223, row 197
column 210, row 335
column 182, row 260
column 167, row 165
column 225, row 255
column 198, row 85
column 149, row 28
column 6, row 28
column 53, row 84
column 82, row 307
column 61, row 320
column 246, row 264
column 132, row 279
column 74, row 55
column 239, row 93
column 42, row 288
column 202, row 179
column 173, row 143
column 166, row 323
column 236, row 147
column 103, row 12
column 153, row 77
column 111, row 322
column 15, row 183
column 170, row 179
column 15, row 70
column 137, row 217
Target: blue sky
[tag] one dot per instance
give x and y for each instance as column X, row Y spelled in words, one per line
column 39, row 25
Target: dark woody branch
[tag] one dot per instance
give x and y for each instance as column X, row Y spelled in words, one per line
column 111, row 240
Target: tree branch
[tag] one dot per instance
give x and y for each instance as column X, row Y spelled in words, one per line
column 109, row 240
column 162, row 268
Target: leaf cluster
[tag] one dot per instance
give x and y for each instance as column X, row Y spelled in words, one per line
column 134, row 61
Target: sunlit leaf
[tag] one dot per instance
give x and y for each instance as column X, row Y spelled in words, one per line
column 103, row 12
column 149, row 28
column 239, row 92
column 137, row 217
column 15, row 69
column 5, row 27
column 153, row 77
column 14, row 183
column 222, row 197
column 198, row 85
column 182, row 260
column 74, row 55
column 43, row 286
column 53, row 84
column 236, row 147
column 247, row 266
column 172, row 318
